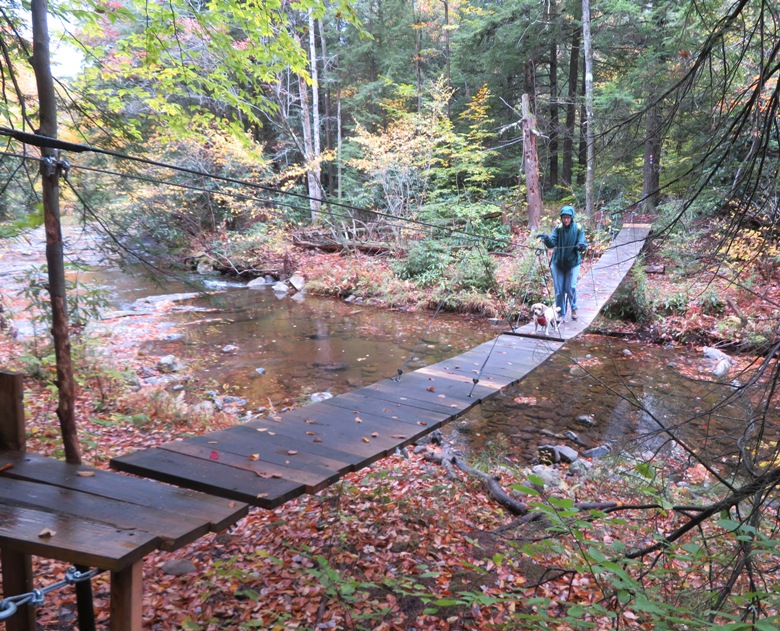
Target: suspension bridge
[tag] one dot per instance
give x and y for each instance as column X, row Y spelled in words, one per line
column 270, row 461
column 102, row 519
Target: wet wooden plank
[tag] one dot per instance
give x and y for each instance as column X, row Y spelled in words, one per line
column 77, row 541
column 265, row 463
column 400, row 395
column 337, row 429
column 218, row 512
column 209, row 477
column 404, row 414
column 263, row 437
column 64, row 504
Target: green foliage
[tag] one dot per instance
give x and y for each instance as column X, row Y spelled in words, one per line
column 475, row 270
column 191, row 64
column 14, row 228
column 85, row 302
column 464, row 224
column 675, row 304
column 711, row 303
column 426, row 262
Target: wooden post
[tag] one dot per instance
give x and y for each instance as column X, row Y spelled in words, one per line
column 17, row 567
column 12, row 431
column 127, row 598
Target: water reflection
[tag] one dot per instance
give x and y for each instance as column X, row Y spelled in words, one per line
column 276, row 351
column 604, row 390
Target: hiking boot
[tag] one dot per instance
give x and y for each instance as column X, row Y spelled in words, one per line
column 573, row 314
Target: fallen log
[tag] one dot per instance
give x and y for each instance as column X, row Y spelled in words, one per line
column 491, row 482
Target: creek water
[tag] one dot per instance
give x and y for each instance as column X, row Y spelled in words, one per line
column 272, row 352
column 275, row 351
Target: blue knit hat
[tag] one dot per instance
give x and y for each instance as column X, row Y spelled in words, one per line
column 567, row 211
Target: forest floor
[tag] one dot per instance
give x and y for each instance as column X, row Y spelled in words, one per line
column 400, row 545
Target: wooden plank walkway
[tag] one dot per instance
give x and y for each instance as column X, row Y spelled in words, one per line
column 270, row 461
column 90, row 518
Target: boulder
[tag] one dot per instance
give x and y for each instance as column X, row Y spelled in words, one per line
column 586, row 420
column 554, row 454
column 596, row 452
column 169, row 363
column 297, row 282
column 257, row 283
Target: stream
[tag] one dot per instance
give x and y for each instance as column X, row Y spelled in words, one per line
column 265, row 351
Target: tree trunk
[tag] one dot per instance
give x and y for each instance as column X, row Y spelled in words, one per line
column 551, row 181
column 567, row 177
column 308, row 149
column 50, row 173
column 590, row 173
column 531, row 165
column 652, row 164
column 338, row 141
column 530, row 83
column 326, row 85
column 315, row 108
column 448, row 69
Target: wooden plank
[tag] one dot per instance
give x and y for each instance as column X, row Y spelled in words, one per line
column 314, row 478
column 83, row 541
column 290, row 432
column 399, row 395
column 218, row 512
column 216, row 478
column 404, row 414
column 334, row 429
column 260, row 437
column 170, row 528
column 17, row 579
column 364, row 433
column 16, row 566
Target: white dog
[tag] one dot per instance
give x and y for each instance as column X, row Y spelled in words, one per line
column 546, row 317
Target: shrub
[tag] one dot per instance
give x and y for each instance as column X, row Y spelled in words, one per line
column 426, row 262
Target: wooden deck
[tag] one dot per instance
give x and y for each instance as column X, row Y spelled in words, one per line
column 90, row 518
column 270, row 461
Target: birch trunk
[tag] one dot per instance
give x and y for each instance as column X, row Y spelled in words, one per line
column 590, row 173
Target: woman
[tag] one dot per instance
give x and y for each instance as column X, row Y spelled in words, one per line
column 567, row 241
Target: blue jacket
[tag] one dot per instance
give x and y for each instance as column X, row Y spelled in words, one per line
column 567, row 243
